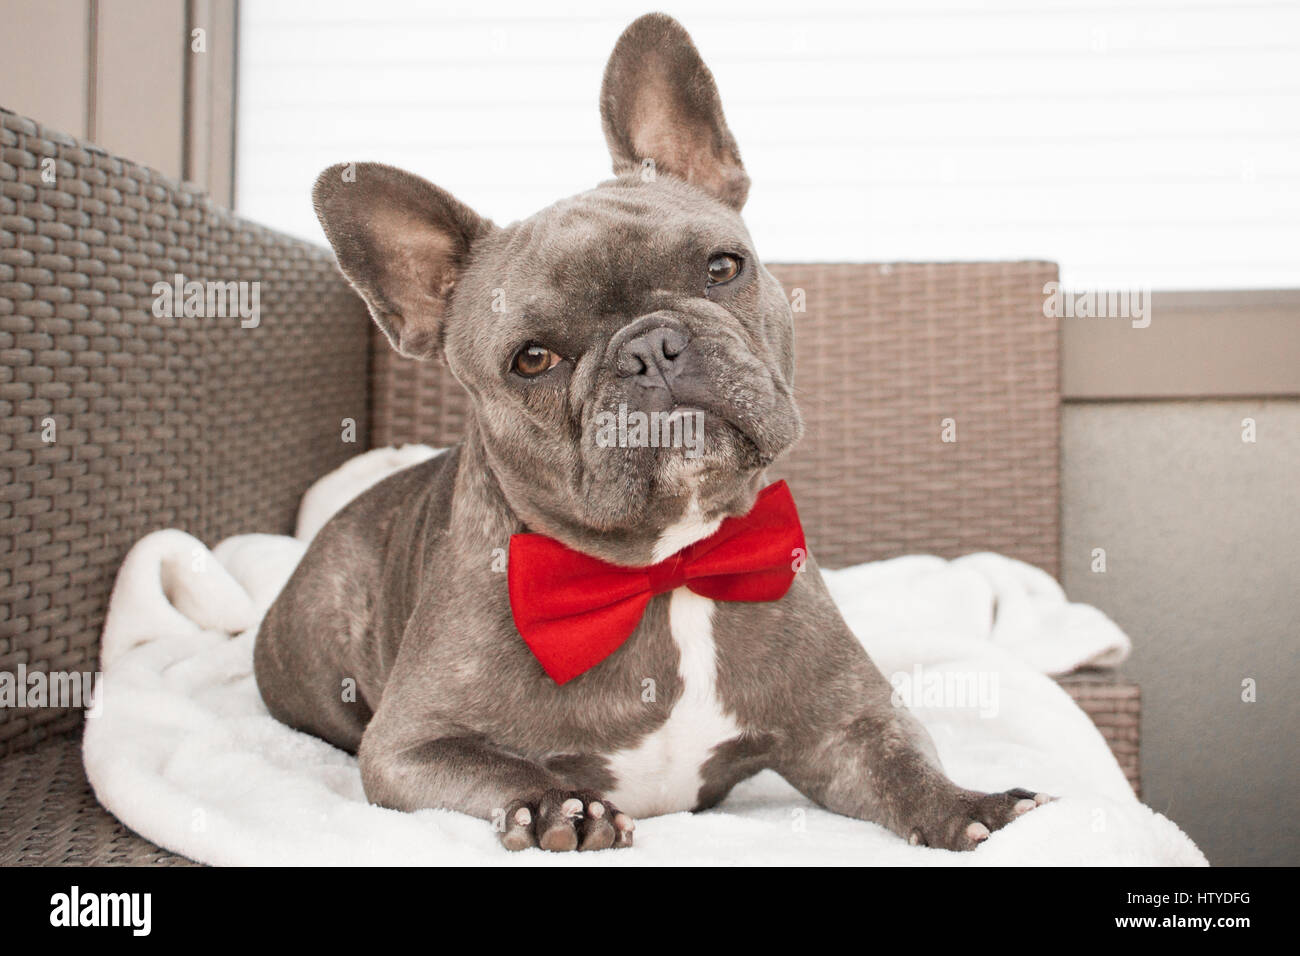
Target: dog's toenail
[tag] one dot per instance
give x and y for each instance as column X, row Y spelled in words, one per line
column 977, row 832
column 1023, row 806
column 596, row 809
column 1041, row 798
column 915, row 838
column 523, row 817
column 624, row 822
column 571, row 807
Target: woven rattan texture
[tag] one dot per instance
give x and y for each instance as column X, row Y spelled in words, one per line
column 1115, row 706
column 49, row 816
column 156, row 422
column 885, row 354
column 290, row 400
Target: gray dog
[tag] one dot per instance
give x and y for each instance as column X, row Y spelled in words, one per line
column 645, row 293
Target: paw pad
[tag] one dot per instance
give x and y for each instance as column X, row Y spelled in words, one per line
column 563, row 821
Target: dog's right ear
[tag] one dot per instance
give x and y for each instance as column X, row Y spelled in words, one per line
column 402, row 242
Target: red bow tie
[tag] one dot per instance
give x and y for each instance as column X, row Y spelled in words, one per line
column 574, row 610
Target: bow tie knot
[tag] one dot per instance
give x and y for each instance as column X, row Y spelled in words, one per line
column 574, row 610
column 667, row 575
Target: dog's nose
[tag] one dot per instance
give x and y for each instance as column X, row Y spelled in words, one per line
column 653, row 355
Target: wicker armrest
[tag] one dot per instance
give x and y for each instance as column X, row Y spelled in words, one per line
column 118, row 420
column 1114, row 704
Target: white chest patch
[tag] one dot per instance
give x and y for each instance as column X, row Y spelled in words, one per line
column 662, row 773
column 688, row 529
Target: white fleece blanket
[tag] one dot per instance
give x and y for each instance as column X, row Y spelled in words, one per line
column 185, row 753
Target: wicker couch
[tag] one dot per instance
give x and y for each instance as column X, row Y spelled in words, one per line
column 118, row 422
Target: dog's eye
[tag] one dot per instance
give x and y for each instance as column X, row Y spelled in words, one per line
column 532, row 360
column 723, row 268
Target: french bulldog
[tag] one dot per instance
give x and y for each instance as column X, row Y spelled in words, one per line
column 647, row 293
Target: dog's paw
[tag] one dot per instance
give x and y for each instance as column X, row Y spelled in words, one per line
column 975, row 817
column 563, row 820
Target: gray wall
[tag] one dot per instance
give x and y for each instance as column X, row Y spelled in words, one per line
column 1202, row 538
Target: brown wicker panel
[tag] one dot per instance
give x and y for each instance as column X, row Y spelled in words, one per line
column 1115, row 706
column 49, row 815
column 276, row 405
column 161, row 422
column 885, row 353
column 413, row 401
column 78, row 344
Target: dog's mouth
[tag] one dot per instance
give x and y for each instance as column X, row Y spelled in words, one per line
column 727, row 456
column 648, row 451
column 640, row 467
column 703, row 432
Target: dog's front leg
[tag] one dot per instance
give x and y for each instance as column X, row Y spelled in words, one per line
column 528, row 805
column 865, row 757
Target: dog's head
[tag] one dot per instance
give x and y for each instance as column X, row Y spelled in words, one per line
column 628, row 358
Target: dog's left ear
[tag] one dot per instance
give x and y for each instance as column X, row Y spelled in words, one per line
column 659, row 102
